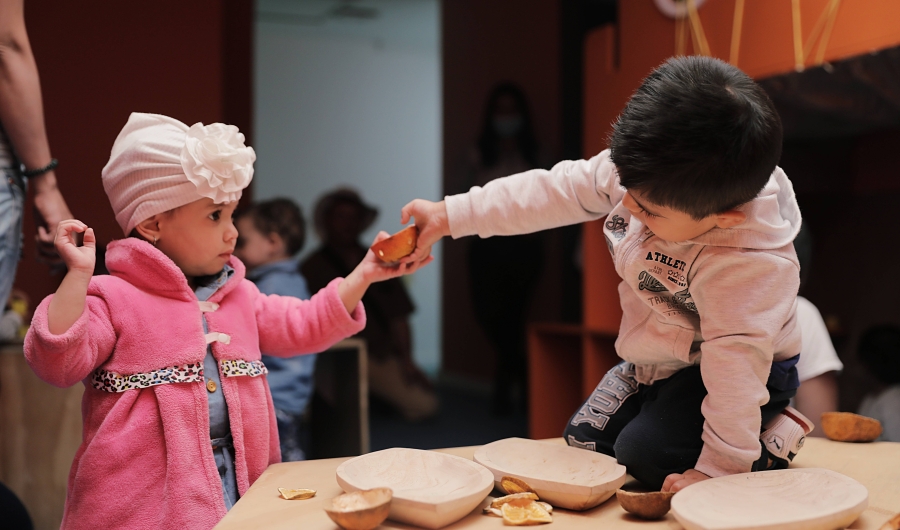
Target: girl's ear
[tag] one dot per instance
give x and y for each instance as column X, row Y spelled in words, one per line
column 149, row 229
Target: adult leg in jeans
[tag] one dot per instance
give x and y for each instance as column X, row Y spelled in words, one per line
column 11, row 208
column 610, row 407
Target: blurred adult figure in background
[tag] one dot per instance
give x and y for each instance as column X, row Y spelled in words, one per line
column 340, row 219
column 24, row 150
column 504, row 271
column 270, row 234
column 819, row 364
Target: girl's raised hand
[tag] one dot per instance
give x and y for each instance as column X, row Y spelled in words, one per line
column 80, row 259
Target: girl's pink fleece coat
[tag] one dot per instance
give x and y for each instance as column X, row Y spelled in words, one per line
column 145, row 459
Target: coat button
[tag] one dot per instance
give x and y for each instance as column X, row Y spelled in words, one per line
column 211, row 386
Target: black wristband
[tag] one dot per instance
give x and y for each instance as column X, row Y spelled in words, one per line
column 39, row 171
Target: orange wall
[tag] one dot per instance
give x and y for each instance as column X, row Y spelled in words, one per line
column 99, row 61
column 617, row 59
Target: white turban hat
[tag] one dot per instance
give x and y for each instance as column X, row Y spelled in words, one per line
column 158, row 163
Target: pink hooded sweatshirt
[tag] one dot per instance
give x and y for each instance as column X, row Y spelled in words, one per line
column 145, row 459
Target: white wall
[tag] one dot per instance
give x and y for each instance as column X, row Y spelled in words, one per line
column 353, row 102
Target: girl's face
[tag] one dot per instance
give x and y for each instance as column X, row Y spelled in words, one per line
column 199, row 237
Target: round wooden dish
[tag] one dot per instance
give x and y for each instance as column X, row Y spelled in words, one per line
column 787, row 499
column 360, row 510
column 566, row 477
column 431, row 489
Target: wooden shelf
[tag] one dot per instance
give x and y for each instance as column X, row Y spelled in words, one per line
column 565, row 363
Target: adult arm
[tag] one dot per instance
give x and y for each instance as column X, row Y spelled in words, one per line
column 22, row 114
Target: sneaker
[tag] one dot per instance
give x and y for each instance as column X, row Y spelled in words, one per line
column 784, row 435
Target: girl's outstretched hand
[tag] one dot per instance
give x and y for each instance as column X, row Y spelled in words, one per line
column 431, row 218
column 77, row 259
column 371, row 270
column 374, row 270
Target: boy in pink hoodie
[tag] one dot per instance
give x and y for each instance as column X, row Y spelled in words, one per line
column 700, row 224
column 178, row 417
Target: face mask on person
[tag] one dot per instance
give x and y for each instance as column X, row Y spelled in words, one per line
column 507, row 126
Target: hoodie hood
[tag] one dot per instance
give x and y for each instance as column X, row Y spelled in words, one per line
column 773, row 219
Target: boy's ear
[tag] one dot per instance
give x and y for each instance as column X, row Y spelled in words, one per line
column 730, row 218
column 149, row 228
column 276, row 240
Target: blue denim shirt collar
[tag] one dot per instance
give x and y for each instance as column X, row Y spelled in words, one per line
column 204, row 292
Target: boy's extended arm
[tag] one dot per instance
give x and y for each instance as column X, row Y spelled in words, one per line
column 745, row 300
column 572, row 191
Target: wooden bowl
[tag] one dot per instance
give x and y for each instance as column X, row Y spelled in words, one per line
column 849, row 427
column 646, row 505
column 398, row 245
column 786, row 499
column 360, row 510
column 566, row 477
column 431, row 489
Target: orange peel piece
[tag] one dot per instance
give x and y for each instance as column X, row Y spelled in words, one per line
column 296, row 494
column 398, row 246
column 526, row 496
column 515, row 485
column 849, row 427
column 524, row 512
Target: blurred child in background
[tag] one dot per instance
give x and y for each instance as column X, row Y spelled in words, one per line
column 271, row 233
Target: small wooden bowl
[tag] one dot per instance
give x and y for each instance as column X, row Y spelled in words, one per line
column 360, row 510
column 849, row 427
column 649, row 505
column 398, row 245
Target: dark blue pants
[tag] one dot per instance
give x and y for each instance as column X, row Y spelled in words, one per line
column 654, row 430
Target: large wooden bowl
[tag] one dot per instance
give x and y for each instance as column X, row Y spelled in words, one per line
column 431, row 489
column 787, row 499
column 566, row 477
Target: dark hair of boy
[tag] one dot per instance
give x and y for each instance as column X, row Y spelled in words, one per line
column 879, row 350
column 698, row 136
column 282, row 217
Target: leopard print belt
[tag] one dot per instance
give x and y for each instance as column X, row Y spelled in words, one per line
column 185, row 373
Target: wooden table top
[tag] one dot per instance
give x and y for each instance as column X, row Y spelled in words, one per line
column 875, row 465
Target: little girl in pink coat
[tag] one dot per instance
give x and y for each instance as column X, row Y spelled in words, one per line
column 178, row 419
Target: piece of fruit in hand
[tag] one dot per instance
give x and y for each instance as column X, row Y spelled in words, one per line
column 398, row 246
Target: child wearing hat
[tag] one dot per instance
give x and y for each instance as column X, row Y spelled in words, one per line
column 177, row 415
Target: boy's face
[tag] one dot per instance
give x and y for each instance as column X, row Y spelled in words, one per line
column 255, row 248
column 673, row 225
column 199, row 237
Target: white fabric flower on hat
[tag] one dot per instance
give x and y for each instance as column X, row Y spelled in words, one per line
column 215, row 159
